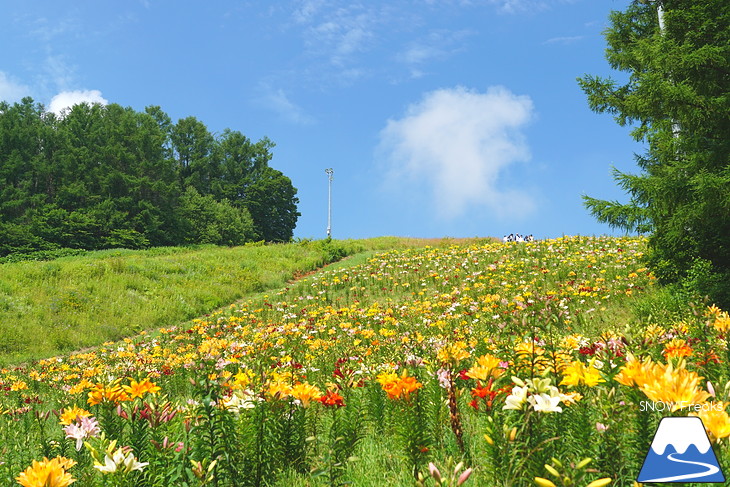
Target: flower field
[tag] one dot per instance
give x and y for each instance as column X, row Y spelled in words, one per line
column 540, row 363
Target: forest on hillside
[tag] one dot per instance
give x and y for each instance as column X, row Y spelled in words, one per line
column 100, row 176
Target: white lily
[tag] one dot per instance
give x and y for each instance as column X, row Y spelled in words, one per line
column 545, row 403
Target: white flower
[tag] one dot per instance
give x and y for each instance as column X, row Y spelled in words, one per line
column 545, row 403
column 241, row 400
column 125, row 462
column 516, row 399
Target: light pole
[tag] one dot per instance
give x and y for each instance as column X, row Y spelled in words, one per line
column 330, row 174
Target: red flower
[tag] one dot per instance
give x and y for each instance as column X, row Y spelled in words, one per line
column 588, row 350
column 332, row 399
column 480, row 392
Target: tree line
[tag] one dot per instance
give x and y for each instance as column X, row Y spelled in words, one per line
column 100, row 176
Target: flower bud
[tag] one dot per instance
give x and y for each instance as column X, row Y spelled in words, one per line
column 544, row 482
column 600, row 482
column 464, row 476
column 434, row 472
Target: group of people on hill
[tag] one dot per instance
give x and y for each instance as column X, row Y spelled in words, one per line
column 516, row 237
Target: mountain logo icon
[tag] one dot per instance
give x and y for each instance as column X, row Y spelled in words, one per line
column 681, row 452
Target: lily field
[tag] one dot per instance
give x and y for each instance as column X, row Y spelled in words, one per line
column 477, row 363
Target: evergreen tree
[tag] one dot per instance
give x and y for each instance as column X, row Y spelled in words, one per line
column 677, row 99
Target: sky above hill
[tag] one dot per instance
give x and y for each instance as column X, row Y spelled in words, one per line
column 439, row 118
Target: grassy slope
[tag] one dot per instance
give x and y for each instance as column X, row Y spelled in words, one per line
column 47, row 308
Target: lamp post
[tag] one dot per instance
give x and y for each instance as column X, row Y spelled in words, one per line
column 330, row 174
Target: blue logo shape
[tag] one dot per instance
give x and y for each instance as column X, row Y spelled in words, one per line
column 681, row 452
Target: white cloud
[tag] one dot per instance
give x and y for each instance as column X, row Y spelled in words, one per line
column 11, row 91
column 278, row 101
column 307, row 10
column 67, row 99
column 459, row 143
column 564, row 40
column 343, row 33
column 60, row 72
column 437, row 45
column 508, row 6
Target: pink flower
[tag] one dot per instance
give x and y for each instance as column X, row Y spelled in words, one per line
column 84, row 427
column 444, row 377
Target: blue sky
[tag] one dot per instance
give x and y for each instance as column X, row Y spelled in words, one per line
column 440, row 118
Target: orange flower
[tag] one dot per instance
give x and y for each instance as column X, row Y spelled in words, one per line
column 107, row 393
column 399, row 387
column 138, row 389
column 305, row 393
column 677, row 348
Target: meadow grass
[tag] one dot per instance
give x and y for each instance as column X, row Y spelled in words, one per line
column 70, row 303
column 365, row 371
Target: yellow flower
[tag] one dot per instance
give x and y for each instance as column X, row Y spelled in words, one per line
column 18, row 386
column 385, row 379
column 715, row 419
column 138, row 389
column 69, row 415
column 600, row 482
column 81, row 387
column 96, row 395
column 486, row 366
column 305, row 393
column 592, row 376
column 279, row 389
column 47, row 473
column 713, row 311
column 634, row 371
column 241, row 380
column 453, row 353
column 571, row 342
column 679, row 387
column 572, row 374
column 527, row 349
column 722, row 322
